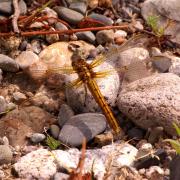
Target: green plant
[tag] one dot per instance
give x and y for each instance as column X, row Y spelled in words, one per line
column 175, row 143
column 152, row 21
column 52, row 143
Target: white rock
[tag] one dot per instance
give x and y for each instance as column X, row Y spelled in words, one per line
column 109, row 86
column 120, row 33
column 152, row 101
column 154, row 169
column 42, row 164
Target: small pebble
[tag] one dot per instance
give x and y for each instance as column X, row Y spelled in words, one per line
column 61, row 176
column 36, row 46
column 5, row 154
column 155, row 134
column 105, row 36
column 69, row 15
column 52, row 38
column 120, row 33
column 99, row 17
column 136, row 133
column 26, row 59
column 119, row 40
column 3, row 104
column 8, row 64
column 19, row 97
column 55, row 131
column 65, row 113
column 86, row 36
column 37, row 137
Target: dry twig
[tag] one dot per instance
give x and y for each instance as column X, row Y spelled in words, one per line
column 15, row 16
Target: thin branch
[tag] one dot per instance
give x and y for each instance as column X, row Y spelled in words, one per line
column 15, row 16
column 60, row 32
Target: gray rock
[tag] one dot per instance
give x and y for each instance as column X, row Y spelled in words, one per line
column 7, row 8
column 1, row 76
column 175, row 67
column 105, row 36
column 26, row 59
column 86, row 36
column 5, row 154
column 161, row 63
column 82, row 126
column 37, row 137
column 61, row 26
column 99, row 17
column 152, row 101
column 65, row 113
column 80, row 7
column 19, row 97
column 55, row 131
column 52, row 38
column 68, row 15
column 8, row 64
column 61, row 176
column 136, row 133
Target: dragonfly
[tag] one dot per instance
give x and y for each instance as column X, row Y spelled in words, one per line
column 87, row 76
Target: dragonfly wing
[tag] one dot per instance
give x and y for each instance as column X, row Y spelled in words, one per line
column 76, row 83
column 135, row 41
column 61, row 70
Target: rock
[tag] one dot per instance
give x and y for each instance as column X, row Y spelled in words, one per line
column 105, row 36
column 164, row 11
column 161, row 63
column 8, row 64
column 52, row 38
column 86, row 36
column 135, row 133
column 6, row 154
column 174, row 170
column 61, row 176
column 120, row 33
column 3, row 104
column 36, row 46
column 99, row 17
column 61, row 26
column 155, row 134
column 155, row 172
column 21, row 122
column 19, row 97
column 40, row 164
column 7, row 8
column 65, row 113
column 152, row 101
column 83, row 126
column 79, row 7
column 69, row 15
column 2, row 175
column 175, row 67
column 80, row 101
column 1, row 76
column 55, row 131
column 37, row 137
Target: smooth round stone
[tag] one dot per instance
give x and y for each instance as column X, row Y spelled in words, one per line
column 18, row 96
column 3, row 104
column 99, row 17
column 8, row 64
column 161, row 63
column 26, row 59
column 37, row 137
column 52, row 38
column 55, row 131
column 61, row 26
column 82, row 126
column 86, row 36
column 69, row 15
column 105, row 36
column 5, row 154
column 82, row 101
column 120, row 33
column 65, row 113
column 7, row 8
column 79, row 7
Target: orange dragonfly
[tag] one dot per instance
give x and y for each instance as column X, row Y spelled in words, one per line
column 87, row 76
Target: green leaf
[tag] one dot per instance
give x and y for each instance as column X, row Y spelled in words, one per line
column 52, row 143
column 177, row 129
column 175, row 144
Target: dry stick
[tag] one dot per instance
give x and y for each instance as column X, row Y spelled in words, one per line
column 15, row 16
column 71, row 31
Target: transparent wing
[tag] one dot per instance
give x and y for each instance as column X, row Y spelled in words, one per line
column 136, row 41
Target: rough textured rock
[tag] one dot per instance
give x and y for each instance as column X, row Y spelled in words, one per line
column 21, row 122
column 41, row 164
column 85, row 125
column 5, row 154
column 152, row 101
